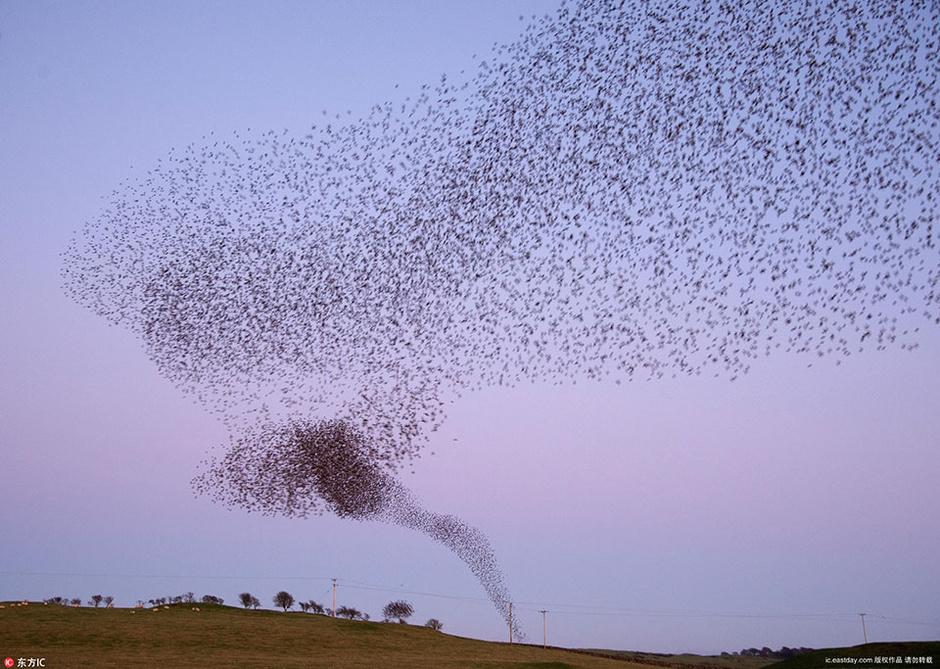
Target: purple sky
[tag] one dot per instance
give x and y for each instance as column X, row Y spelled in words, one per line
column 653, row 506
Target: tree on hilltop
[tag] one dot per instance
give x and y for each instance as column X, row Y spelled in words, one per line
column 284, row 600
column 398, row 609
column 348, row 612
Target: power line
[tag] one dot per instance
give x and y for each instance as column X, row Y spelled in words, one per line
column 903, row 620
column 416, row 592
column 558, row 608
column 679, row 612
column 595, row 609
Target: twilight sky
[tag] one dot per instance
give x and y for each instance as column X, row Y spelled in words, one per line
column 687, row 514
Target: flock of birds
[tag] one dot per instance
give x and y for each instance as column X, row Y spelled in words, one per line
column 628, row 190
column 292, row 468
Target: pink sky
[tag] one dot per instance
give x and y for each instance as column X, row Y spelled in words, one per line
column 794, row 490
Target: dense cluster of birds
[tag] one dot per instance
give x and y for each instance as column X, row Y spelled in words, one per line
column 291, row 468
column 628, row 190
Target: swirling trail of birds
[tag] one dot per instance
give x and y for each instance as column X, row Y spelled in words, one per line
column 628, row 190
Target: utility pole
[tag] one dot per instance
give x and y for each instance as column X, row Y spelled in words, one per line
column 544, row 629
column 510, row 623
column 864, row 629
column 334, row 597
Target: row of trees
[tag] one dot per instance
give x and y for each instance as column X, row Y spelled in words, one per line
column 185, row 598
column 781, row 654
column 96, row 601
column 396, row 610
column 399, row 610
column 314, row 607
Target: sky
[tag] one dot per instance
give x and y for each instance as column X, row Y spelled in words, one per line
column 689, row 514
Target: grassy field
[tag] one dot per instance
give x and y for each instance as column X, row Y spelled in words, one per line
column 816, row 659
column 222, row 636
column 866, row 656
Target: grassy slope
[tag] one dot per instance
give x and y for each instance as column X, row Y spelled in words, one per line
column 817, row 658
column 812, row 660
column 689, row 660
column 220, row 636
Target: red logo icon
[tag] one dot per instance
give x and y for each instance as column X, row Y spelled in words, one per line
column 8, row 662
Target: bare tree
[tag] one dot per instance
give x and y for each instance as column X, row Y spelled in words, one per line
column 109, row 601
column 434, row 624
column 316, row 608
column 255, row 603
column 245, row 598
column 304, row 606
column 348, row 612
column 284, row 599
column 76, row 601
column 96, row 600
column 398, row 609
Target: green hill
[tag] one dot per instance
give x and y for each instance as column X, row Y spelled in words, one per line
column 177, row 636
column 222, row 636
column 688, row 660
column 871, row 654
